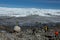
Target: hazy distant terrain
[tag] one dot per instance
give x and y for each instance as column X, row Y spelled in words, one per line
column 28, row 19
column 9, row 16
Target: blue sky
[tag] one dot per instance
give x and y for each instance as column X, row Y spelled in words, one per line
column 49, row 4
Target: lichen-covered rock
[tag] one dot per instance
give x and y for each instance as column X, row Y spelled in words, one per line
column 17, row 29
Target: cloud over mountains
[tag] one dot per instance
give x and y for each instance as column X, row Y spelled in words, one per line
column 4, row 11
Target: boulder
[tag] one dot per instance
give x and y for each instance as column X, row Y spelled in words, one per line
column 17, row 29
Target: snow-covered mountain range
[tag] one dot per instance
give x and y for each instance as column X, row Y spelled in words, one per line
column 21, row 12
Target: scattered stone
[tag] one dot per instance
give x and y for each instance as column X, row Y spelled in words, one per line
column 17, row 29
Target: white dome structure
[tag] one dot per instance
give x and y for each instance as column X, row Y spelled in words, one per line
column 17, row 29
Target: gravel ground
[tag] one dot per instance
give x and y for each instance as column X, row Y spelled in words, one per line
column 25, row 35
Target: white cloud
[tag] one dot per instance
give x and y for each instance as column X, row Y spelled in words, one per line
column 4, row 11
